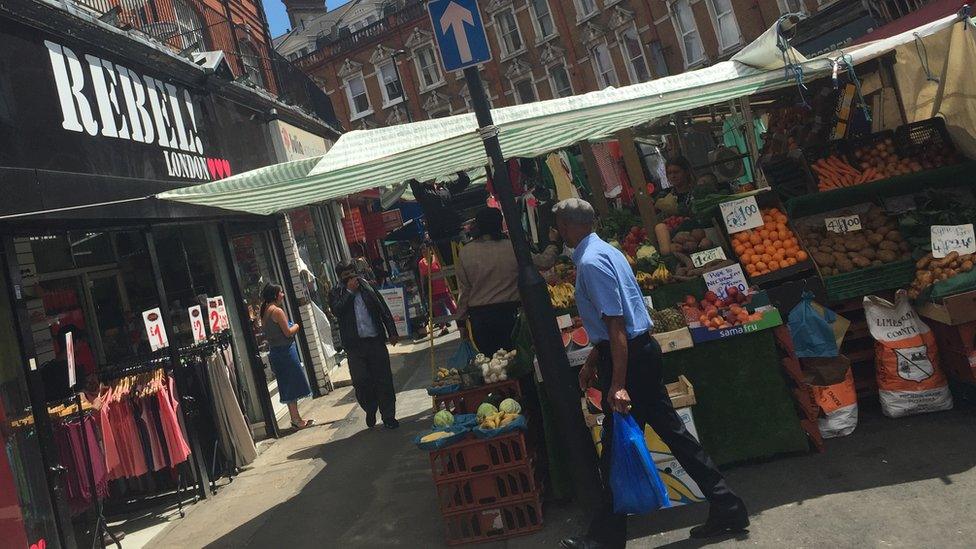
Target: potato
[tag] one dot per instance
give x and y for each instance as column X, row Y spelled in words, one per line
column 845, row 266
column 894, row 236
column 966, row 266
column 840, row 247
column 828, row 271
column 869, row 253
column 887, row 256
column 698, row 234
column 705, row 244
column 875, row 238
column 888, row 245
column 876, row 263
column 950, row 257
column 860, row 261
column 924, row 262
column 824, row 260
column 904, row 246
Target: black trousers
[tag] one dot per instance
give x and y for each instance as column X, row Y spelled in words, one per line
column 372, row 379
column 492, row 326
column 651, row 406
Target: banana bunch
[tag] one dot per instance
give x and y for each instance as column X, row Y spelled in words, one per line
column 645, row 280
column 498, row 420
column 446, row 376
column 661, row 275
column 563, row 295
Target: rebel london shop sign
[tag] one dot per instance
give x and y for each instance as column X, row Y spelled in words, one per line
column 108, row 100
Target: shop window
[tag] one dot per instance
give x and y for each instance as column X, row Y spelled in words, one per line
column 726, row 27
column 684, row 24
column 509, row 38
column 189, row 277
column 542, row 16
column 524, row 91
column 559, row 79
column 606, row 74
column 357, row 96
column 427, row 67
column 634, row 53
column 391, row 86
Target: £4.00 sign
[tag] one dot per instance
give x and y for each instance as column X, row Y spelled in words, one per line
column 460, row 33
column 741, row 215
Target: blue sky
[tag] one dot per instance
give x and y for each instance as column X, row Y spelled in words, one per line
column 278, row 19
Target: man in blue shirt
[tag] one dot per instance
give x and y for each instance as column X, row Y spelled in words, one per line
column 625, row 364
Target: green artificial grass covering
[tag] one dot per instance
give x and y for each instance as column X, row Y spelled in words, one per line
column 672, row 294
column 744, row 408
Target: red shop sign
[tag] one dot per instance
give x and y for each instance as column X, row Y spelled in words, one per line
column 392, row 220
column 353, row 226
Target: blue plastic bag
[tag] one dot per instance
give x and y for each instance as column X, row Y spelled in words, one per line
column 462, row 356
column 634, row 481
column 458, row 433
column 811, row 332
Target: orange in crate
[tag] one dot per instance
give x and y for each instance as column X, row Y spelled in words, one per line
column 769, row 248
column 492, row 488
column 478, row 456
column 494, row 523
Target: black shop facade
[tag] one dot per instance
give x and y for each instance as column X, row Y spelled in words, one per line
column 92, row 264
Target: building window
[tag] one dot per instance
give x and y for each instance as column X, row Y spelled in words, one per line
column 606, row 75
column 544, row 25
column 726, row 27
column 509, row 38
column 585, row 8
column 391, row 86
column 357, row 96
column 562, row 86
column 792, row 6
column 190, row 26
column 684, row 25
column 253, row 63
column 634, row 53
column 524, row 91
column 658, row 61
column 430, row 73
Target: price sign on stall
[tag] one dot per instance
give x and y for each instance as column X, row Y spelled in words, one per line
column 153, row 319
column 700, row 259
column 197, row 324
column 720, row 280
column 224, row 319
column 847, row 224
column 741, row 215
column 953, row 238
column 213, row 315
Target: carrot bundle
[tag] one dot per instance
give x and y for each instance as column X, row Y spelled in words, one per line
column 835, row 173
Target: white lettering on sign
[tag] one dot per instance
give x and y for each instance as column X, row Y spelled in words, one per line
column 197, row 324
column 741, row 215
column 649, row 302
column 720, row 280
column 213, row 316
column 846, row 224
column 153, row 319
column 700, row 259
column 953, row 238
column 69, row 349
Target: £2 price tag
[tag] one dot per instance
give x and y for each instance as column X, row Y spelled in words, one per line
column 222, row 310
column 197, row 324
column 153, row 319
column 213, row 316
column 741, row 215
column 720, row 280
column 700, row 259
column 952, row 238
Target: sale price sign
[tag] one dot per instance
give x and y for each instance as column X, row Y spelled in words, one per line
column 222, row 311
column 741, row 215
column 952, row 238
column 720, row 280
column 153, row 319
column 700, row 259
column 197, row 324
column 843, row 225
column 213, row 316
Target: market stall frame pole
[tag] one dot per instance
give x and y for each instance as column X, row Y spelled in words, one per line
column 561, row 384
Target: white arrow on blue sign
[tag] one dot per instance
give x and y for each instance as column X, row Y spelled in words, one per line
column 460, row 33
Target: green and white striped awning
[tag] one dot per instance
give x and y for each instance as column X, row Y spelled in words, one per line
column 436, row 148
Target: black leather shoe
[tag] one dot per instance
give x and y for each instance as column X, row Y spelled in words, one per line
column 391, row 423
column 722, row 524
column 581, row 543
column 370, row 421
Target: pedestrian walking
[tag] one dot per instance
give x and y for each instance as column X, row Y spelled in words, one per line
column 440, row 294
column 283, row 354
column 366, row 325
column 625, row 365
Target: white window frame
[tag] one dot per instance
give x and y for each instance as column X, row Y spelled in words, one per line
column 420, row 67
column 784, row 6
column 552, row 81
column 500, row 34
column 353, row 114
column 716, row 21
column 630, row 61
column 581, row 14
column 387, row 102
column 601, row 82
column 515, row 94
column 680, row 34
column 539, row 36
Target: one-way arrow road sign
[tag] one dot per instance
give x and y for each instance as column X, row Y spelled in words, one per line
column 460, row 33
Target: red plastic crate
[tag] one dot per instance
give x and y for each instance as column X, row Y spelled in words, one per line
column 496, row 487
column 478, row 456
column 494, row 523
column 468, row 400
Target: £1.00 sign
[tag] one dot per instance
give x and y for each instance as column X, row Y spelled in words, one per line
column 741, row 215
column 952, row 238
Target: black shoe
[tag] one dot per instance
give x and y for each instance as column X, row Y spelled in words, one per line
column 391, row 423
column 721, row 524
column 581, row 543
column 371, row 420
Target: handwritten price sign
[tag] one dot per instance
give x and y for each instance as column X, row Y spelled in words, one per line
column 197, row 324
column 741, row 215
column 700, row 259
column 153, row 319
column 843, row 225
column 720, row 280
column 953, row 238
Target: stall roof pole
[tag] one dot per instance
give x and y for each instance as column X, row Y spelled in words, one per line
column 560, row 382
column 594, row 178
column 749, row 131
column 635, row 173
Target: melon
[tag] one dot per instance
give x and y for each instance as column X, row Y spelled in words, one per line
column 486, row 409
column 443, row 419
column 580, row 337
column 510, row 406
column 567, row 339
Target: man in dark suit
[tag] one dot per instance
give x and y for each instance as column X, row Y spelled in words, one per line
column 366, row 325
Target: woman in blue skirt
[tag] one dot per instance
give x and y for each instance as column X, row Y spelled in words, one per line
column 280, row 333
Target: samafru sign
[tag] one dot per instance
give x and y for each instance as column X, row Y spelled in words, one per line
column 104, row 99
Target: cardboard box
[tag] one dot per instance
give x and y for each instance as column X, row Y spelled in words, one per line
column 674, row 340
column 659, row 450
column 952, row 310
column 681, row 489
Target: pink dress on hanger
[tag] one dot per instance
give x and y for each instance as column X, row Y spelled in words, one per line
column 113, row 462
column 175, row 442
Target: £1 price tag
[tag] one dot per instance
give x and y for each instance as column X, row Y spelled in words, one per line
column 700, row 259
column 213, row 316
column 224, row 320
column 846, row 224
column 197, row 324
column 720, row 280
column 741, row 215
column 153, row 319
column 952, row 238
